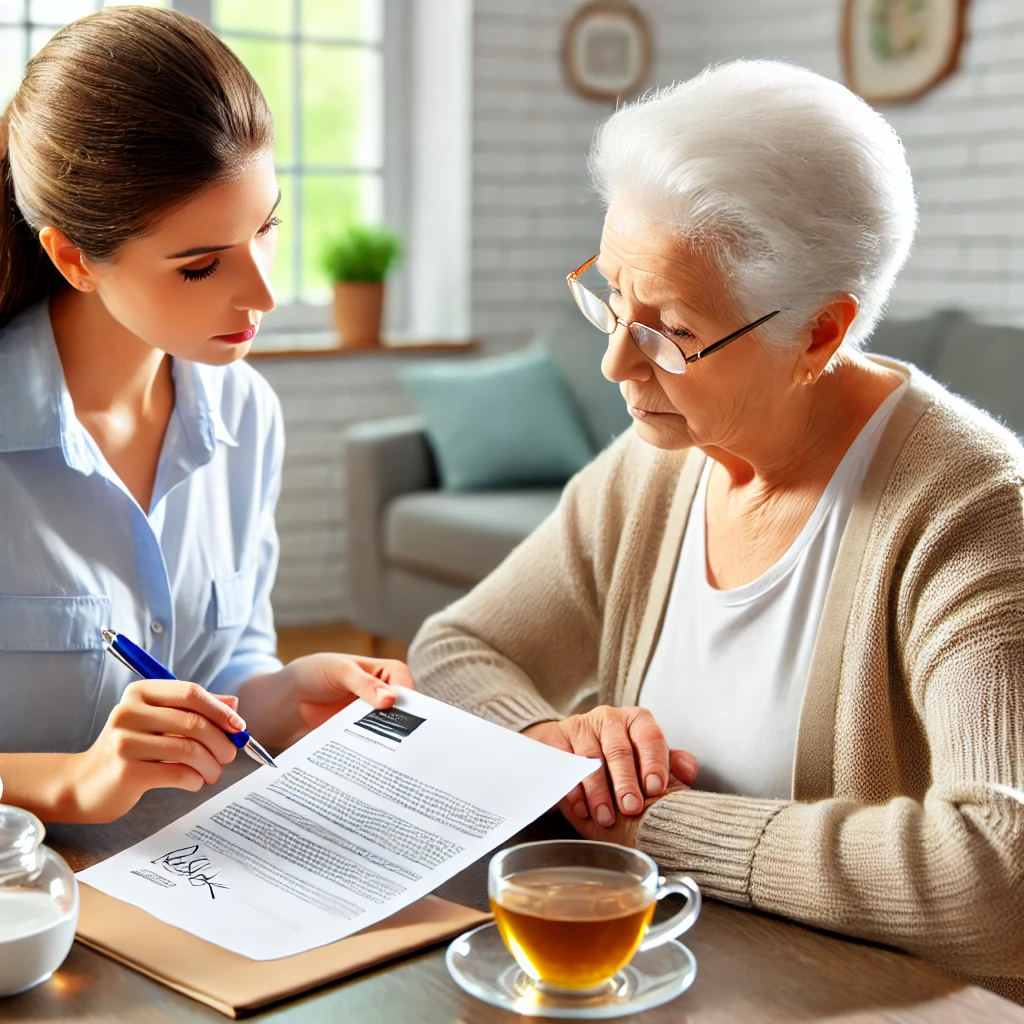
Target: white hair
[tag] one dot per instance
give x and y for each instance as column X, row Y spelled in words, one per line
column 795, row 186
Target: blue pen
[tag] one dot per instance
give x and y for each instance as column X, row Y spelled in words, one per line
column 147, row 667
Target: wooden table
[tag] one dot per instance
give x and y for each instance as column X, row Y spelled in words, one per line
column 751, row 967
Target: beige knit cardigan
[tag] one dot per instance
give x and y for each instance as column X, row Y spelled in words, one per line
column 906, row 823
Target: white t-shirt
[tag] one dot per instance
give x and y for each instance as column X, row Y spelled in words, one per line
column 727, row 676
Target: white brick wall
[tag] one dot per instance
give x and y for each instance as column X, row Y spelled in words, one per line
column 534, row 217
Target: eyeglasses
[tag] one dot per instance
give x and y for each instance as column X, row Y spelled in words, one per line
column 659, row 348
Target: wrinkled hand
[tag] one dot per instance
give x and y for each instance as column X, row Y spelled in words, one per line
column 624, row 831
column 164, row 734
column 638, row 764
column 323, row 684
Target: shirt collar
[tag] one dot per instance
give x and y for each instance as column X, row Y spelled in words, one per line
column 33, row 394
column 199, row 398
column 36, row 410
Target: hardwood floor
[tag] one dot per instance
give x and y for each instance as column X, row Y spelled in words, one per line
column 295, row 641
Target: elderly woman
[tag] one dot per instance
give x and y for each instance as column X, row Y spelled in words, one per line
column 798, row 582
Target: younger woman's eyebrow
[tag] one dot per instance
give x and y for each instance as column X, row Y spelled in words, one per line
column 202, row 250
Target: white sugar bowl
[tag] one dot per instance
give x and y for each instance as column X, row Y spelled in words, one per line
column 38, row 903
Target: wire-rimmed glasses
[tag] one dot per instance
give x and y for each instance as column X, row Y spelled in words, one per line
column 658, row 347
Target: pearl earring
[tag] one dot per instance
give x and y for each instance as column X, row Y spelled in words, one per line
column 810, row 376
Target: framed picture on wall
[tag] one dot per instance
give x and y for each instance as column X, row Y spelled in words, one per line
column 896, row 50
column 606, row 50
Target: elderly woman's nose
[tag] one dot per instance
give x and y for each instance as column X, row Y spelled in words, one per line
column 623, row 360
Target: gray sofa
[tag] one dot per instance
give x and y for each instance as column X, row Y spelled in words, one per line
column 413, row 549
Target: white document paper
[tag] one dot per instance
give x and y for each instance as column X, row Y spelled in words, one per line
column 362, row 817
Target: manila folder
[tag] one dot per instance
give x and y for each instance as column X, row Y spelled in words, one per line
column 234, row 984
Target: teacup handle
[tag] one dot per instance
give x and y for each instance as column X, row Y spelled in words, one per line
column 677, row 923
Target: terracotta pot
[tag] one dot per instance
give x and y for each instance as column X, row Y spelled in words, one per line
column 358, row 306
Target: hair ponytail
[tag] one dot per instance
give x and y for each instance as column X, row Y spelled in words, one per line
column 26, row 272
column 122, row 115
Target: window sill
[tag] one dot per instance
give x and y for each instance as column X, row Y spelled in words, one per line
column 325, row 346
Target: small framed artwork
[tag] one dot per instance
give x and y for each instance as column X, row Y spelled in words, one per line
column 606, row 50
column 896, row 50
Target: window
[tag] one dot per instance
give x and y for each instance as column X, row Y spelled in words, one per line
column 320, row 65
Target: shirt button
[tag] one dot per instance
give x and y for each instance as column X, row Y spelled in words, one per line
column 157, row 626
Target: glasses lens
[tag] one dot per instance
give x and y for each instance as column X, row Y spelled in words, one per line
column 658, row 348
column 594, row 309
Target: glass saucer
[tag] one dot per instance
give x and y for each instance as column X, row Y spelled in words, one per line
column 481, row 965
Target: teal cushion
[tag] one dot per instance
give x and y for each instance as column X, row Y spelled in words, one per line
column 506, row 421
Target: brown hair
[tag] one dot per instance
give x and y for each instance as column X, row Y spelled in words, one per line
column 121, row 116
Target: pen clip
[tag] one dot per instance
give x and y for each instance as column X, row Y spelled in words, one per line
column 121, row 658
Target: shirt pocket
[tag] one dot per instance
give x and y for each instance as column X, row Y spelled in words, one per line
column 51, row 664
column 233, row 598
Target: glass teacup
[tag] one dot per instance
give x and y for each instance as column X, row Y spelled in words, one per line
column 573, row 912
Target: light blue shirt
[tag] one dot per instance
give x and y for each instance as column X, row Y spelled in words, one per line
column 190, row 581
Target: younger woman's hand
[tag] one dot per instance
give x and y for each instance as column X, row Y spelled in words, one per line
column 280, row 707
column 164, row 734
column 638, row 764
column 323, row 684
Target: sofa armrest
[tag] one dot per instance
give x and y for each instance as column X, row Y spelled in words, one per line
column 383, row 459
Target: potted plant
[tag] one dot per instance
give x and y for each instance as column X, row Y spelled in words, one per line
column 357, row 260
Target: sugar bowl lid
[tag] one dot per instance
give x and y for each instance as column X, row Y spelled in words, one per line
column 21, row 834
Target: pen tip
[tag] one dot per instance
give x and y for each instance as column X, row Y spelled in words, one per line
column 108, row 635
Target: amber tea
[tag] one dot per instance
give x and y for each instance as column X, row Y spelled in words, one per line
column 573, row 927
column 573, row 912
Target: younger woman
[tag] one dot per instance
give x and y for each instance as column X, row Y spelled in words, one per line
column 140, row 458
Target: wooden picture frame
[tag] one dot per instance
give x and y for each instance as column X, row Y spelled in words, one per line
column 606, row 50
column 895, row 51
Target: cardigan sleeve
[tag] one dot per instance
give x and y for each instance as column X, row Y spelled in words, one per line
column 941, row 876
column 522, row 647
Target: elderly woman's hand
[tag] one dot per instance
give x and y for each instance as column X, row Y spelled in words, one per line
column 624, row 831
column 637, row 761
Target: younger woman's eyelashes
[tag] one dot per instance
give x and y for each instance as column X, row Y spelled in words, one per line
column 272, row 223
column 201, row 273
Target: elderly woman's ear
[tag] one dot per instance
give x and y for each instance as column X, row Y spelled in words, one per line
column 826, row 336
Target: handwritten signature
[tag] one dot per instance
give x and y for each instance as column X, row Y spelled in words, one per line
column 187, row 863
